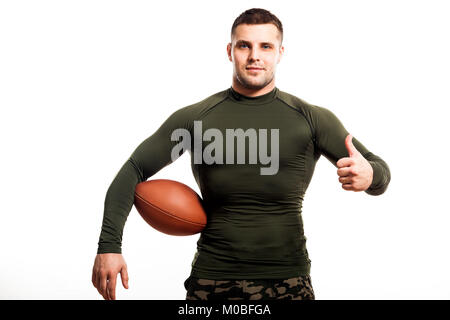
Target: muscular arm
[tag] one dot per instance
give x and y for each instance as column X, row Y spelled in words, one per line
column 148, row 158
column 330, row 134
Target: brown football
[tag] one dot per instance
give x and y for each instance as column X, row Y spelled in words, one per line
column 170, row 206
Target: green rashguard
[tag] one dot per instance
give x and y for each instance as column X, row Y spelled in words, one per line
column 254, row 228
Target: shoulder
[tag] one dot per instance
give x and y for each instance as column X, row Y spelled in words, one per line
column 184, row 117
column 292, row 100
column 301, row 105
column 311, row 111
column 198, row 109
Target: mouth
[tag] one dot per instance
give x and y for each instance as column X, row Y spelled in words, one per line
column 254, row 68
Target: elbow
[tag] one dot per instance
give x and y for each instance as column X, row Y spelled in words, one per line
column 380, row 187
column 376, row 192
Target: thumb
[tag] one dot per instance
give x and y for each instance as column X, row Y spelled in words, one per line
column 352, row 151
column 124, row 277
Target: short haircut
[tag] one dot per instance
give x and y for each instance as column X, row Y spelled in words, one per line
column 258, row 16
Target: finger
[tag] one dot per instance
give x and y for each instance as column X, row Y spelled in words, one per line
column 349, row 145
column 102, row 285
column 97, row 282
column 347, row 179
column 94, row 280
column 124, row 277
column 343, row 172
column 347, row 186
column 345, row 162
column 112, row 287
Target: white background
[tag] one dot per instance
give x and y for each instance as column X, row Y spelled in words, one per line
column 82, row 83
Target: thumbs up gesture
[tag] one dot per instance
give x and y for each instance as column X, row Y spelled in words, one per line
column 355, row 172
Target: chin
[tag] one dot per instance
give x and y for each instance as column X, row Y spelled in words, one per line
column 256, row 84
column 251, row 82
column 251, row 85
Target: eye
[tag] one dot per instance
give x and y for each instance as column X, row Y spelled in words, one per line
column 243, row 44
column 267, row 46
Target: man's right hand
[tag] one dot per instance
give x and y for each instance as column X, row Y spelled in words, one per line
column 104, row 274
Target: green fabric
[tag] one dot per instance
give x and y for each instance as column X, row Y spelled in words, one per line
column 255, row 227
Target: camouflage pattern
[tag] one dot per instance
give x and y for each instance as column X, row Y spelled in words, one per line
column 297, row 288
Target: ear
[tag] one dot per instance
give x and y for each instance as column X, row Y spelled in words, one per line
column 229, row 52
column 281, row 54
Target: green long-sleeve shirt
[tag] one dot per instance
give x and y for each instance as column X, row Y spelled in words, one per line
column 254, row 227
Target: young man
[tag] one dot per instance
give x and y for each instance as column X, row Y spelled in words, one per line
column 253, row 246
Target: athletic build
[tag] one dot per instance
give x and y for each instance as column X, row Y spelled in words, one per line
column 254, row 228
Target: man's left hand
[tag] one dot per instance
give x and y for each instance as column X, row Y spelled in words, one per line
column 355, row 172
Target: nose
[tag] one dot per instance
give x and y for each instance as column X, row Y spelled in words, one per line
column 254, row 54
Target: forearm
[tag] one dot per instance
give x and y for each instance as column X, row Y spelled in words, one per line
column 118, row 203
column 149, row 157
column 381, row 175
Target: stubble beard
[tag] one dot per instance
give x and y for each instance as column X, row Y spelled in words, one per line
column 252, row 85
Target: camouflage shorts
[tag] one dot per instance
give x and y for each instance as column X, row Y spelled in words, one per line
column 297, row 288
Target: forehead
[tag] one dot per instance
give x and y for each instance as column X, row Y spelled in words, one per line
column 256, row 33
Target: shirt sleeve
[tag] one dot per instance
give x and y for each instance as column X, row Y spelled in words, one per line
column 329, row 137
column 151, row 155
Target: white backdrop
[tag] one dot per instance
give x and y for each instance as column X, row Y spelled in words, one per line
column 82, row 83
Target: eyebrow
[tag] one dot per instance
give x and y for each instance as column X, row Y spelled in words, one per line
column 247, row 42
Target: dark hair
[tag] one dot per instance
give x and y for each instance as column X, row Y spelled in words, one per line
column 257, row 16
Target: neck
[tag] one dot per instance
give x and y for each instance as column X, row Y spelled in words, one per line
column 238, row 87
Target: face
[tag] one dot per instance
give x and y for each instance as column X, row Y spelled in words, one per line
column 255, row 51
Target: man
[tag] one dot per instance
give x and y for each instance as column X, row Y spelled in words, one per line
column 253, row 246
